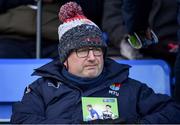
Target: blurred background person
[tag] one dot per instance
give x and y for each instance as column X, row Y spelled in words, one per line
column 177, row 64
column 18, row 29
column 123, row 17
column 18, row 26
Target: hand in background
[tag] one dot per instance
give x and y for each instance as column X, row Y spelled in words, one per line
column 128, row 52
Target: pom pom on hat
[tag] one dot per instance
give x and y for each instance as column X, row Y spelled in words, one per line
column 76, row 31
column 70, row 11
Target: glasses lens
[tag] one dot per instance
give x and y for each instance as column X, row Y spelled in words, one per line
column 82, row 52
column 97, row 51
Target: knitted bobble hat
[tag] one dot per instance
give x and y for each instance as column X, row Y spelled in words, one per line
column 76, row 31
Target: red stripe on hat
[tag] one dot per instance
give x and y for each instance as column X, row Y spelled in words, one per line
column 75, row 18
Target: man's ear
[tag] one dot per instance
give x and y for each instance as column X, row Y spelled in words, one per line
column 65, row 63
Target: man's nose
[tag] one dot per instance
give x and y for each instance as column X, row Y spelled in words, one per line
column 91, row 55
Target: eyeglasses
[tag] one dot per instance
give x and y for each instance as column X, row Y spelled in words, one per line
column 84, row 52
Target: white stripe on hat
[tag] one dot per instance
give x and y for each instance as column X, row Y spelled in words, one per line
column 71, row 24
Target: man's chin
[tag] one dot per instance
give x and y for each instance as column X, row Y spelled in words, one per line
column 92, row 74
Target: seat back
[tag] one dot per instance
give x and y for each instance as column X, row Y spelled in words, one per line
column 154, row 73
column 15, row 75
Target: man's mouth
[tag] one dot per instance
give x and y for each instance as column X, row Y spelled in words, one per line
column 90, row 66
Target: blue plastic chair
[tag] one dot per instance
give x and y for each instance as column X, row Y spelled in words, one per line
column 154, row 73
column 15, row 75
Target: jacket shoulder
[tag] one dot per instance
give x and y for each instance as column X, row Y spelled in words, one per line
column 136, row 86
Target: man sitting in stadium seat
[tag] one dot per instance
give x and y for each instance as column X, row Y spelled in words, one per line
column 84, row 71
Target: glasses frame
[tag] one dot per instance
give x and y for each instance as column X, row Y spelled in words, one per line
column 97, row 51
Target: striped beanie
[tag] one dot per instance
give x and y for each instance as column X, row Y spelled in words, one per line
column 76, row 31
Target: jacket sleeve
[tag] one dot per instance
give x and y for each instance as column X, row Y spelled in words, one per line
column 157, row 108
column 8, row 4
column 32, row 109
column 112, row 21
column 136, row 14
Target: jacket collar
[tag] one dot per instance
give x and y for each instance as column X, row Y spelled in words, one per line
column 114, row 70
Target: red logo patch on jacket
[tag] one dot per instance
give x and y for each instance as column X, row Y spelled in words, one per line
column 115, row 86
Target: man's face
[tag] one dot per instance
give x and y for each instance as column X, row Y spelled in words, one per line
column 85, row 62
column 89, row 108
column 108, row 108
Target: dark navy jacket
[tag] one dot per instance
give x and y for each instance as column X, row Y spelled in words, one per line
column 54, row 99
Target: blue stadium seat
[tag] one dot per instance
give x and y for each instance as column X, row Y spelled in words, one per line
column 154, row 73
column 15, row 76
